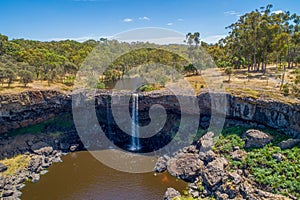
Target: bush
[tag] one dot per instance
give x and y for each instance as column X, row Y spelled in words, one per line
column 69, row 80
column 285, row 89
column 147, row 88
column 100, row 85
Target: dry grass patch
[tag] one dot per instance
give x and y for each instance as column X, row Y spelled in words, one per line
column 14, row 164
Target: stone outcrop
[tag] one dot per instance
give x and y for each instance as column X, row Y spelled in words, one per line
column 288, row 144
column 256, row 139
column 161, row 164
column 185, row 166
column 215, row 177
column 31, row 107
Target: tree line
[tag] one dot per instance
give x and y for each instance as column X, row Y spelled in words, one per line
column 256, row 39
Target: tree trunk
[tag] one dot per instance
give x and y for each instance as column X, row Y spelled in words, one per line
column 282, row 78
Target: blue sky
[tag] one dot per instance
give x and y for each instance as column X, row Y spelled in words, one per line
column 82, row 19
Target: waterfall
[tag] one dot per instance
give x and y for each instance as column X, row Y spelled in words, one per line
column 108, row 118
column 135, row 132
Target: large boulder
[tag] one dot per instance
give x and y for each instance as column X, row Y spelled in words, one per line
column 161, row 164
column 288, row 144
column 256, row 138
column 185, row 166
column 206, row 142
column 41, row 148
column 171, row 193
column 3, row 167
column 214, row 172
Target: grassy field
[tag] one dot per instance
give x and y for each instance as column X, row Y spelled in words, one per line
column 253, row 84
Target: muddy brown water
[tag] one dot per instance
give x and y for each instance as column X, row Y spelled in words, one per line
column 82, row 177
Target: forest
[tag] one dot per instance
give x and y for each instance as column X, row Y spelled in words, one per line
column 255, row 41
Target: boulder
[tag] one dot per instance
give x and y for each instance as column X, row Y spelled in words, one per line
column 3, row 167
column 74, row 147
column 171, row 193
column 206, row 142
column 238, row 155
column 185, row 166
column 207, row 156
column 213, row 173
column 288, row 144
column 278, row 157
column 35, row 163
column 7, row 193
column 161, row 164
column 256, row 138
column 235, row 177
column 221, row 196
column 41, row 148
column 35, row 177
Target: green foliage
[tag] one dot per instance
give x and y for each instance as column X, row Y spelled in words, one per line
column 100, row 85
column 225, row 144
column 285, row 90
column 190, row 69
column 229, row 71
column 283, row 177
column 69, row 80
column 25, row 77
column 280, row 177
column 148, row 88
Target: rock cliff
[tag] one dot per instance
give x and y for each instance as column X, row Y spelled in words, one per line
column 32, row 107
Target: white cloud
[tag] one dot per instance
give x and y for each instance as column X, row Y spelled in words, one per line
column 144, row 18
column 231, row 12
column 126, row 20
column 170, row 24
column 180, row 20
column 213, row 38
column 277, row 11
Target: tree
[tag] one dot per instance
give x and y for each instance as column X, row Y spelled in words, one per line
column 25, row 77
column 229, row 71
column 9, row 75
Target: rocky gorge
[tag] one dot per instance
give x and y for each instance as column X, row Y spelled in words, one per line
column 196, row 164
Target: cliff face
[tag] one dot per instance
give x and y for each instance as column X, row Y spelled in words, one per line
column 33, row 107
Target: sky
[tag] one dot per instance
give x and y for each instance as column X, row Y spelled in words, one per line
column 80, row 20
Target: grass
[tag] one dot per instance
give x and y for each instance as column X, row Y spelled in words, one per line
column 16, row 163
column 16, row 87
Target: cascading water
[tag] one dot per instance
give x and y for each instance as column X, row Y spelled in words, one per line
column 135, row 132
column 108, row 118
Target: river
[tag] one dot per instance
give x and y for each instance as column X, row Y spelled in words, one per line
column 82, row 177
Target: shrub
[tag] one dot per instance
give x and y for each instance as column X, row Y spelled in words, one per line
column 285, row 89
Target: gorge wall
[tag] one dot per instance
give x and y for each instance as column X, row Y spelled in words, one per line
column 32, row 107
